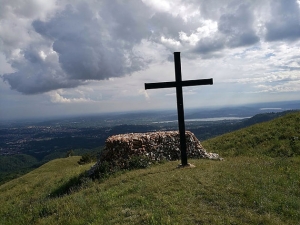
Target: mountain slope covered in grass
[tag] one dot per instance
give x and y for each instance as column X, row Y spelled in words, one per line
column 251, row 186
column 276, row 138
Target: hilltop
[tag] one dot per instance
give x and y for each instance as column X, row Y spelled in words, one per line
column 257, row 183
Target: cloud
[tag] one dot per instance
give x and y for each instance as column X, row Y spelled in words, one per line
column 170, row 43
column 284, row 23
column 238, row 27
column 291, row 86
column 56, row 97
column 83, row 44
column 144, row 93
column 208, row 45
column 168, row 25
column 38, row 73
column 62, row 44
column 235, row 29
column 90, row 49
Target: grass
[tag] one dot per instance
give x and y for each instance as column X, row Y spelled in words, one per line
column 276, row 138
column 239, row 190
column 251, row 186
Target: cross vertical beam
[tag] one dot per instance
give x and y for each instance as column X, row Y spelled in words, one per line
column 178, row 84
column 180, row 110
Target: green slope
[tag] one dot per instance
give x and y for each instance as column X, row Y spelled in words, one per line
column 277, row 138
column 239, row 190
column 245, row 188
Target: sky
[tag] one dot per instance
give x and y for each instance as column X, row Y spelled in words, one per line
column 61, row 58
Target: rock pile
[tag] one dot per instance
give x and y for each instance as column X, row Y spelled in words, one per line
column 155, row 146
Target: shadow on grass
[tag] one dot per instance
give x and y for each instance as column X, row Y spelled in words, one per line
column 75, row 184
column 102, row 172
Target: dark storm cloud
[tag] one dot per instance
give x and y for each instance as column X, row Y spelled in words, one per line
column 284, row 22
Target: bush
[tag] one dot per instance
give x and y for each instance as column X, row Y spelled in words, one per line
column 70, row 153
column 138, row 162
column 86, row 158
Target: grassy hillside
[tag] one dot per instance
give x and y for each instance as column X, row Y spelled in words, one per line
column 239, row 190
column 277, row 138
column 248, row 187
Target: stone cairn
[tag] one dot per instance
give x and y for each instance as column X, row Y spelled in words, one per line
column 155, row 146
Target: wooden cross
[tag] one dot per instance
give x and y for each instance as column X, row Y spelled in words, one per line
column 179, row 84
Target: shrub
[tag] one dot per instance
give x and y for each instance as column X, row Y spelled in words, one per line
column 70, row 153
column 138, row 162
column 86, row 158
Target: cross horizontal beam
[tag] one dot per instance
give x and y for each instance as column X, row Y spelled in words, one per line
column 184, row 83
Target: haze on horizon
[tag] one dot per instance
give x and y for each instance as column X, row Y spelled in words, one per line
column 61, row 58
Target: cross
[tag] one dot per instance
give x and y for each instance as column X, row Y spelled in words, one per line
column 179, row 84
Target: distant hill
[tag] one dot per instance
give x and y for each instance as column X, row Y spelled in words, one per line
column 264, row 117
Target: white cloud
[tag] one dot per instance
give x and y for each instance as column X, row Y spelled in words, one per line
column 57, row 97
column 170, row 42
column 207, row 29
column 176, row 8
column 160, row 5
column 144, row 93
column 291, row 86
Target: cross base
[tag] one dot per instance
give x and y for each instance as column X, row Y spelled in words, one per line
column 189, row 165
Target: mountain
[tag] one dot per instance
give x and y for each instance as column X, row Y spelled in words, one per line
column 257, row 183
